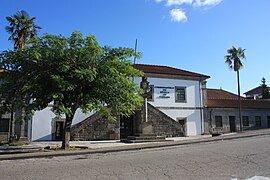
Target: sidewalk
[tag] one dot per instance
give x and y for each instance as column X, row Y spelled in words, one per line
column 38, row 149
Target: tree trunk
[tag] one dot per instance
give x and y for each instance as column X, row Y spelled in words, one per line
column 66, row 135
column 12, row 125
column 239, row 101
column 22, row 125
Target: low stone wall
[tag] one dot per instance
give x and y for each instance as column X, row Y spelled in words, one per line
column 3, row 136
column 96, row 127
column 162, row 124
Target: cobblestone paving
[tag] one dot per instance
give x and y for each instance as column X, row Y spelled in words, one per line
column 232, row 159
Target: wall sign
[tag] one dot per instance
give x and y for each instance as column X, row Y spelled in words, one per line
column 164, row 91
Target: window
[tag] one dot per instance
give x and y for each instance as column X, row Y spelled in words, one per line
column 180, row 94
column 151, row 93
column 218, row 120
column 4, row 124
column 258, row 121
column 268, row 121
column 245, row 121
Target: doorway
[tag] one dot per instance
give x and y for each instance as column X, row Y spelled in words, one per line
column 182, row 122
column 232, row 124
column 126, row 127
column 59, row 130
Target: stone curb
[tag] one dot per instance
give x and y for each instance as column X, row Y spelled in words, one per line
column 127, row 148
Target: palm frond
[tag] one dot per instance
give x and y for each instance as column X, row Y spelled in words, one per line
column 233, row 58
column 21, row 27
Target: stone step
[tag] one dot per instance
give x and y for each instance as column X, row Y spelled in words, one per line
column 142, row 141
column 140, row 138
column 146, row 137
column 143, row 135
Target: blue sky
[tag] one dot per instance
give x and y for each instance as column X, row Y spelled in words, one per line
column 188, row 34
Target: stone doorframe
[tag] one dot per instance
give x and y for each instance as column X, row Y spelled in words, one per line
column 54, row 121
column 183, row 122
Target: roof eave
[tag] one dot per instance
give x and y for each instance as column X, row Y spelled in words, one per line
column 175, row 76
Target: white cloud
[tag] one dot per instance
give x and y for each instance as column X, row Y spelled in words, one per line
column 178, row 2
column 207, row 2
column 158, row 1
column 178, row 15
column 200, row 3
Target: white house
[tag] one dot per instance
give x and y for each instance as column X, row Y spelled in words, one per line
column 176, row 93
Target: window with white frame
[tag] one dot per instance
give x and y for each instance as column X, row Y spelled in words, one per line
column 180, row 94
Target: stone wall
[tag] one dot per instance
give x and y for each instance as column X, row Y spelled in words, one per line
column 95, row 127
column 4, row 136
column 162, row 124
column 226, row 112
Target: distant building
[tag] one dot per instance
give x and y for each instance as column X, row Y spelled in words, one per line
column 223, row 116
column 255, row 93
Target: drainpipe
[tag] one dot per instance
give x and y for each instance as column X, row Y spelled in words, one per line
column 200, row 96
column 210, row 119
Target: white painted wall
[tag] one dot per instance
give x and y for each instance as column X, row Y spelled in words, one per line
column 43, row 124
column 174, row 109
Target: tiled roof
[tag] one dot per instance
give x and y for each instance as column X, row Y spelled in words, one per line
column 220, row 94
column 233, row 103
column 257, row 90
column 157, row 69
column 218, row 98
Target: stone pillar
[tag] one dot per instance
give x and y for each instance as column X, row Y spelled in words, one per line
column 23, row 127
column 141, row 121
column 205, row 109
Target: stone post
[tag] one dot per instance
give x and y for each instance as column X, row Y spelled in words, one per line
column 205, row 109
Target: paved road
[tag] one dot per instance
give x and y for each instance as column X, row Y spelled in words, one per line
column 239, row 158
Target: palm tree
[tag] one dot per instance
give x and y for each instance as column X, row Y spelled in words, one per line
column 21, row 27
column 233, row 59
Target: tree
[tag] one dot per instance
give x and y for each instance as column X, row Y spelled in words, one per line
column 75, row 72
column 21, row 27
column 265, row 90
column 233, row 59
column 11, row 81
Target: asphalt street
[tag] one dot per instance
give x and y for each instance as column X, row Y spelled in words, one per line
column 230, row 159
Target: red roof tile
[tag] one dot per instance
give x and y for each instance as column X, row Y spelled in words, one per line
column 218, row 98
column 233, row 103
column 257, row 90
column 220, row 94
column 157, row 69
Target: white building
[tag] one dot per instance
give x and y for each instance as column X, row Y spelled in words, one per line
column 178, row 94
column 175, row 92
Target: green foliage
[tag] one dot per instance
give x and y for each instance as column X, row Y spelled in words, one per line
column 265, row 90
column 21, row 27
column 74, row 72
column 233, row 58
